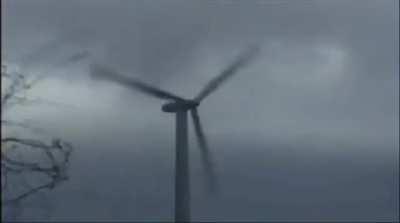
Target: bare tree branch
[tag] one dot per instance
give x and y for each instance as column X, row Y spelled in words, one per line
column 55, row 154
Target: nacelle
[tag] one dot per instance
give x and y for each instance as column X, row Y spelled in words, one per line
column 179, row 106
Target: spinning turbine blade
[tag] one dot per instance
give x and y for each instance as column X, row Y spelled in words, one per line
column 76, row 57
column 101, row 72
column 240, row 62
column 205, row 153
column 50, row 48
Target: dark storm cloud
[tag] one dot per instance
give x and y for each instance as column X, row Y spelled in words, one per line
column 308, row 131
column 159, row 38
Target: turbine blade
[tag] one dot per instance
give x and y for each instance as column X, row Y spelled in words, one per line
column 48, row 51
column 104, row 73
column 206, row 157
column 228, row 72
column 76, row 57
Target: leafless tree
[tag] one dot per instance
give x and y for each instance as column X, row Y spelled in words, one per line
column 29, row 163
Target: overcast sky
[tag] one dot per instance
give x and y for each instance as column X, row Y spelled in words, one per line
column 308, row 131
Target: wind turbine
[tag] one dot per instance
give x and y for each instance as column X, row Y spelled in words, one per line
column 180, row 106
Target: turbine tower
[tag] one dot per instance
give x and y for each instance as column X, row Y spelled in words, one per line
column 180, row 106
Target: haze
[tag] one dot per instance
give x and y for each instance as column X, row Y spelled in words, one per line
column 308, row 131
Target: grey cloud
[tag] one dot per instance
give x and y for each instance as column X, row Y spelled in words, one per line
column 158, row 39
column 308, row 131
